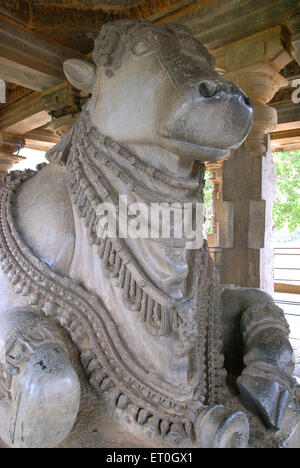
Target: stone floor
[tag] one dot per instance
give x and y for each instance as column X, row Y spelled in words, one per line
column 94, row 429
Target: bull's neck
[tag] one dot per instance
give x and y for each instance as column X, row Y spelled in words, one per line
column 162, row 160
column 151, row 168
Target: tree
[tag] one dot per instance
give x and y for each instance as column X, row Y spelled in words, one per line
column 286, row 210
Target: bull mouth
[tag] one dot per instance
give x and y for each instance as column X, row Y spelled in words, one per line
column 196, row 150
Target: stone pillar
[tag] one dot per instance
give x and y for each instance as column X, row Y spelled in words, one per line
column 9, row 144
column 222, row 211
column 249, row 174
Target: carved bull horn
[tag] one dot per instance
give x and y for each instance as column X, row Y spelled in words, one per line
column 80, row 74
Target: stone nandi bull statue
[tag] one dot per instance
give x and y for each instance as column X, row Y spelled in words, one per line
column 157, row 337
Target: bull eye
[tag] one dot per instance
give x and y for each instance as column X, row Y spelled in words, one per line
column 141, row 47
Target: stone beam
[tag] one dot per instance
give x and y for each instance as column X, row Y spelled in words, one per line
column 41, row 139
column 25, row 76
column 38, row 109
column 61, row 125
column 249, row 175
column 24, row 115
column 288, row 113
column 29, row 61
column 11, row 143
column 286, row 140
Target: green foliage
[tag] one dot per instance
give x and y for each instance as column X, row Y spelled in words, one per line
column 286, row 210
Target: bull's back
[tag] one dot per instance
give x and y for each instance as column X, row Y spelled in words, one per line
column 45, row 217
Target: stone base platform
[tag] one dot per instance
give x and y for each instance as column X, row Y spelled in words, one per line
column 95, row 429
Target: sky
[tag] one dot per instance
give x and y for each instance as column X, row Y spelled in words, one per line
column 33, row 157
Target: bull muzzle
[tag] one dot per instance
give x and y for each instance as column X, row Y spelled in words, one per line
column 209, row 89
column 205, row 119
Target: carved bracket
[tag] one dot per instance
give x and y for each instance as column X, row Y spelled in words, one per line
column 294, row 25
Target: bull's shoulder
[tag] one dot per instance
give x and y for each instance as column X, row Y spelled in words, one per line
column 45, row 217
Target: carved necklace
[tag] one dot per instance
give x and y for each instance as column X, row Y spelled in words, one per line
column 96, row 145
column 88, row 189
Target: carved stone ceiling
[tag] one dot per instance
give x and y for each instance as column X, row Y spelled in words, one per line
column 89, row 3
column 73, row 24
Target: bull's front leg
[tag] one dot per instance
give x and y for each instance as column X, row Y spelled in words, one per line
column 39, row 388
column 266, row 383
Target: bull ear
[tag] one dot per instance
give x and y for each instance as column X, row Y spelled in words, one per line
column 80, row 74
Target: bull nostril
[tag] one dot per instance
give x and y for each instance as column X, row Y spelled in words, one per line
column 207, row 88
column 247, row 101
column 244, row 97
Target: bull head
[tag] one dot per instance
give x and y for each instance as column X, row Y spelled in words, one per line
column 157, row 86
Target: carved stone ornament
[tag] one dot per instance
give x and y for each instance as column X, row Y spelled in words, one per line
column 154, row 330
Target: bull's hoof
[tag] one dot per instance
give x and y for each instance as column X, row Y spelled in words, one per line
column 46, row 398
column 265, row 398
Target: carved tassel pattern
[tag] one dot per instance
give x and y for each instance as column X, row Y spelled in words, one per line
column 158, row 316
